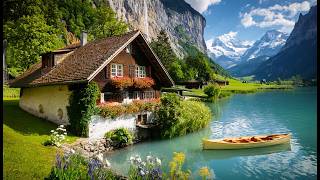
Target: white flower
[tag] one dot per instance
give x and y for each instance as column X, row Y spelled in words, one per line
column 107, row 163
column 100, row 157
column 143, row 163
column 72, row 151
column 149, row 158
column 142, row 173
column 158, row 161
column 52, row 131
column 65, row 133
column 61, row 126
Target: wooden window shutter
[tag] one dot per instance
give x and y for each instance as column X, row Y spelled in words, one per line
column 148, row 69
column 107, row 71
column 132, row 70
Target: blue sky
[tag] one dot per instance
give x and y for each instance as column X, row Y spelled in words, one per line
column 249, row 19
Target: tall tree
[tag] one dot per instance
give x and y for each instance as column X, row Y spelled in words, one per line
column 162, row 48
column 106, row 24
column 200, row 64
column 28, row 37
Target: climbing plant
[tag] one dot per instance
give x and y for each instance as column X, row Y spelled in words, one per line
column 82, row 105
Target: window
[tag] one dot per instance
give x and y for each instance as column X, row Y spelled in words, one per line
column 149, row 94
column 141, row 71
column 116, row 70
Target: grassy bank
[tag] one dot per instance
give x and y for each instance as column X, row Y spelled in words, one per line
column 237, row 87
column 23, row 134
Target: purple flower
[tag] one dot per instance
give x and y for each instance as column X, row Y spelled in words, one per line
column 58, row 161
column 93, row 165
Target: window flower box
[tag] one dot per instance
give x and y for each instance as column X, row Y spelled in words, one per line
column 121, row 82
column 143, row 83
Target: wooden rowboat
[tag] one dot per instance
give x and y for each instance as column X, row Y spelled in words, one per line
column 246, row 142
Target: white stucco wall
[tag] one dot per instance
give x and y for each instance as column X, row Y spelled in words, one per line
column 51, row 98
column 99, row 125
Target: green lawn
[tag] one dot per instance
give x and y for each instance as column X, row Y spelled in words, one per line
column 24, row 155
column 236, row 86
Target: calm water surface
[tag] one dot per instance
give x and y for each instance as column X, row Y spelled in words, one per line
column 269, row 112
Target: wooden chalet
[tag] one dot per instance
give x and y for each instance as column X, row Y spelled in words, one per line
column 124, row 67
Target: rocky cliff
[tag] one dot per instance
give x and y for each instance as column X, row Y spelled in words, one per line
column 152, row 16
column 298, row 56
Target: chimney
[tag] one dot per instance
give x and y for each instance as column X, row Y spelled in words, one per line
column 83, row 38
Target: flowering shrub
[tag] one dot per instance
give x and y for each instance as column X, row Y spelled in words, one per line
column 57, row 136
column 143, row 83
column 151, row 168
column 121, row 82
column 113, row 111
column 176, row 171
column 119, row 137
column 147, row 169
column 74, row 166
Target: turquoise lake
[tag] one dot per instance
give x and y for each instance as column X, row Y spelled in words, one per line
column 293, row 111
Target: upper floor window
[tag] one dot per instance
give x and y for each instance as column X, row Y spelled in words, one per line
column 140, row 71
column 116, row 70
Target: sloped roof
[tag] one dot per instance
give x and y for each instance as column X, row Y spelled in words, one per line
column 84, row 63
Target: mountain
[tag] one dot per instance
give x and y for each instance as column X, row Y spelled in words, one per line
column 245, row 68
column 226, row 50
column 298, row 56
column 268, row 45
column 172, row 15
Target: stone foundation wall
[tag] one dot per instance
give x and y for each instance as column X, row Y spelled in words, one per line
column 100, row 125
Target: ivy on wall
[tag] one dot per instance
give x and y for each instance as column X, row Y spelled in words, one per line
column 82, row 105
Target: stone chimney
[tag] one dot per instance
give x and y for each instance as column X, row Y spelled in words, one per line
column 83, row 38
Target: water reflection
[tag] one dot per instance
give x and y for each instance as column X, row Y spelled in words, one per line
column 240, row 115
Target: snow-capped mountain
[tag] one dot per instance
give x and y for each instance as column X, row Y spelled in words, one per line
column 226, row 50
column 269, row 45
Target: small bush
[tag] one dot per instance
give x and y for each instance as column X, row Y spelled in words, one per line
column 212, row 91
column 120, row 137
column 176, row 117
column 57, row 137
column 224, row 94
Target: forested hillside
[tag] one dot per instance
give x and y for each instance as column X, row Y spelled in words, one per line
column 34, row 27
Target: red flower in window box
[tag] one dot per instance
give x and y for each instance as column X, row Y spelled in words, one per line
column 143, row 83
column 121, row 82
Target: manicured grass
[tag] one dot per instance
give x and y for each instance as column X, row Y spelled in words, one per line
column 23, row 134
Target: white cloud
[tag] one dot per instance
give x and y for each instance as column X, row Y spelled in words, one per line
column 276, row 15
column 202, row 5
